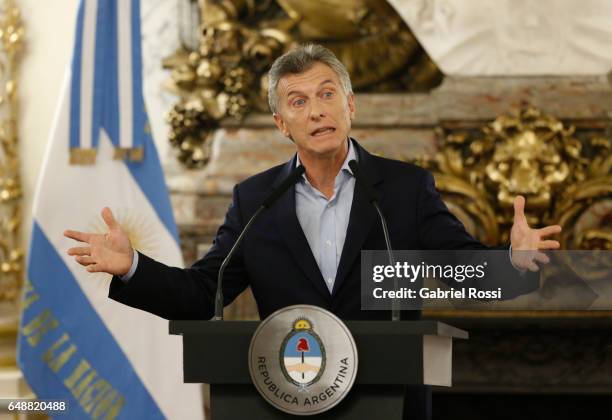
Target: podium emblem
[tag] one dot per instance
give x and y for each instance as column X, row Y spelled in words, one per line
column 303, row 360
column 303, row 355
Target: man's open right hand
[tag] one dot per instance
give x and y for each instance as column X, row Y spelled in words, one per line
column 110, row 253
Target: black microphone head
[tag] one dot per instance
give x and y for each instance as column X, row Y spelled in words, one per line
column 362, row 181
column 298, row 172
column 284, row 186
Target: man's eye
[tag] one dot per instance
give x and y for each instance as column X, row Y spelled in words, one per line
column 298, row 102
column 328, row 94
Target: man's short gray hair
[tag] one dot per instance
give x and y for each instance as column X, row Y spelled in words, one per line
column 299, row 60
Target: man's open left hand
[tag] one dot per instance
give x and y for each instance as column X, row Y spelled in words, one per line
column 527, row 242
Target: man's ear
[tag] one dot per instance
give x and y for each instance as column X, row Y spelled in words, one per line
column 280, row 124
column 351, row 105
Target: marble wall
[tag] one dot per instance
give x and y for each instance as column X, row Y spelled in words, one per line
column 513, row 37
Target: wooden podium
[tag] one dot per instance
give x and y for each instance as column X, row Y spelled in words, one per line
column 391, row 356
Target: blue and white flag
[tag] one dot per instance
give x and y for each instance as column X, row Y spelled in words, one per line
column 75, row 344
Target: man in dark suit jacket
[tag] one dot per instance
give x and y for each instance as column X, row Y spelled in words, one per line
column 312, row 101
column 275, row 258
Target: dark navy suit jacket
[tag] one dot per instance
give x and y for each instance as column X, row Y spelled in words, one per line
column 275, row 258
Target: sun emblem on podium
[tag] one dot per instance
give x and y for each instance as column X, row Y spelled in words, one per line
column 302, row 355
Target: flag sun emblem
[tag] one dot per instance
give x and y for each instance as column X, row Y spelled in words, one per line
column 302, row 354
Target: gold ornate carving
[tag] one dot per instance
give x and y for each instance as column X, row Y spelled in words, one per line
column 11, row 255
column 565, row 177
column 226, row 76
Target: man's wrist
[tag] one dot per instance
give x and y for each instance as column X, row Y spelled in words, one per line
column 519, row 269
column 127, row 276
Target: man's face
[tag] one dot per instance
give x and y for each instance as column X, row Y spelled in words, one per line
column 314, row 111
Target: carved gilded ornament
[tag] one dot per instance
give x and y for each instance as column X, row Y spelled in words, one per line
column 11, row 254
column 239, row 40
column 566, row 178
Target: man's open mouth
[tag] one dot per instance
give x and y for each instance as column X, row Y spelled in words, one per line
column 322, row 131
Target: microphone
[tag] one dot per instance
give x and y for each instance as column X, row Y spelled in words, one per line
column 284, row 186
column 373, row 199
column 267, row 203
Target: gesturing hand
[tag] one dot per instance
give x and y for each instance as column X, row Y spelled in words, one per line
column 526, row 242
column 110, row 253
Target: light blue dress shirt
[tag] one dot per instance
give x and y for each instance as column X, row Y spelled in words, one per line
column 324, row 221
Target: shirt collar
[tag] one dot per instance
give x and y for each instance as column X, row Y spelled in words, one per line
column 351, row 155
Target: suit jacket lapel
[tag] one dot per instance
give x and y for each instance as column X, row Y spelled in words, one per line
column 293, row 235
column 362, row 218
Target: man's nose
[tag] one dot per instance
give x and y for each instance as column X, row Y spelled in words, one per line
column 316, row 111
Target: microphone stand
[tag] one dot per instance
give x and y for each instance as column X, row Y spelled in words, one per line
column 271, row 199
column 373, row 199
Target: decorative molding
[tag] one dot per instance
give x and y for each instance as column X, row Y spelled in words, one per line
column 564, row 174
column 11, row 253
column 534, row 359
column 226, row 76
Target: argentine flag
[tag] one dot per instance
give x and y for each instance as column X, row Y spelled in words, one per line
column 104, row 359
